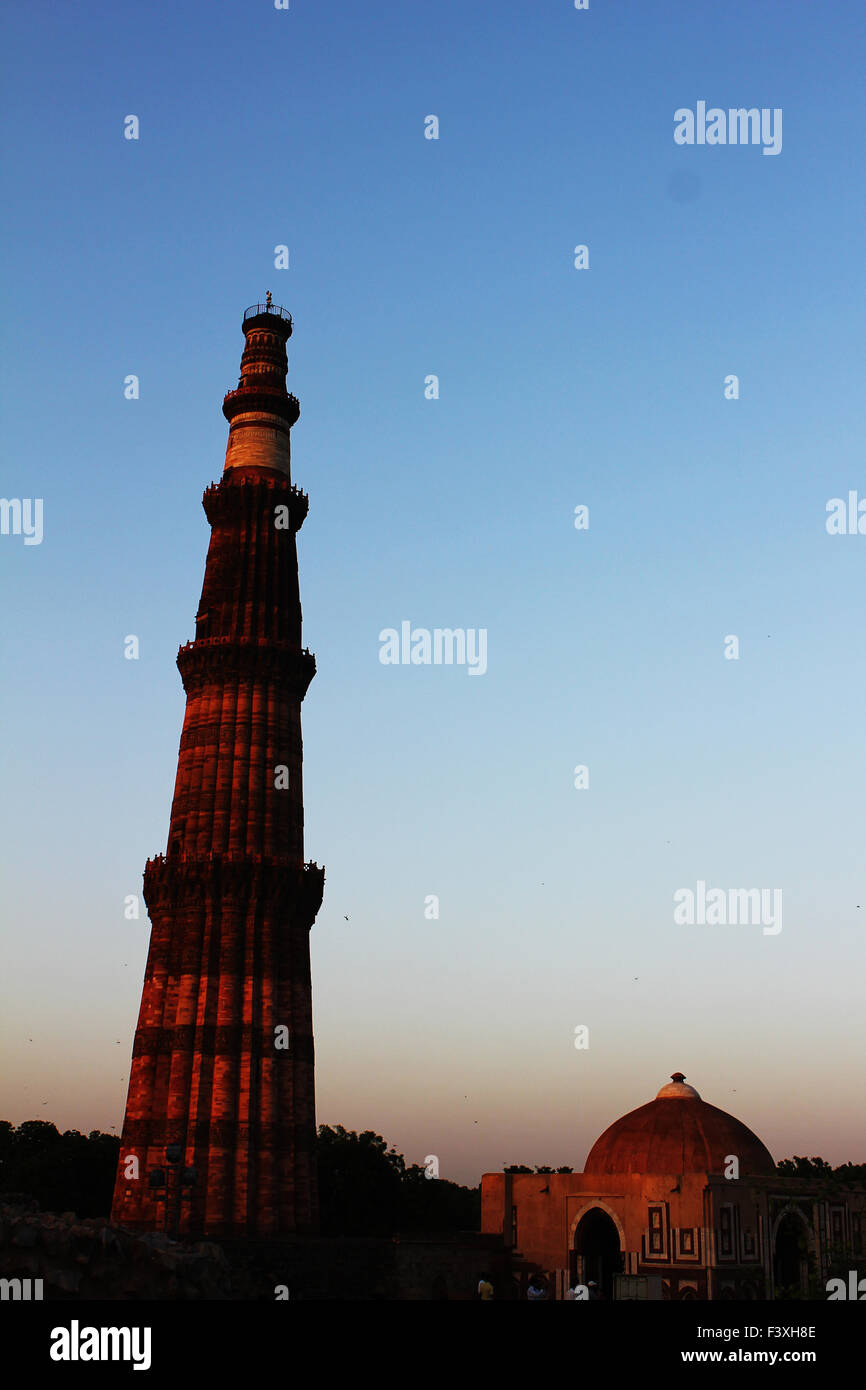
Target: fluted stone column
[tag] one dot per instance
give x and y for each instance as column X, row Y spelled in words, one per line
column 232, row 901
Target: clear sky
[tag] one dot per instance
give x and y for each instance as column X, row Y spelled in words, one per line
column 558, row 387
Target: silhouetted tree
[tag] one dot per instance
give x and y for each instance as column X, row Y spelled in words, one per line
column 366, row 1189
column 850, row 1174
column 437, row 1205
column 539, row 1168
column 359, row 1182
column 64, row 1172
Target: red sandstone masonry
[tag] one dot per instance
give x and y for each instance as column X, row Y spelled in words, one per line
column 232, row 902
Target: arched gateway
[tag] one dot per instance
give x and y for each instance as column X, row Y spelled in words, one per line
column 791, row 1255
column 597, row 1254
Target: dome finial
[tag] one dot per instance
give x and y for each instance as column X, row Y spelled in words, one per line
column 676, row 1089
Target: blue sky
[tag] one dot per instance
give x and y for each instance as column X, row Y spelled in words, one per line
column 558, row 387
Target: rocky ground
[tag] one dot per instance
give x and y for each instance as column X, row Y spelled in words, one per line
column 91, row 1259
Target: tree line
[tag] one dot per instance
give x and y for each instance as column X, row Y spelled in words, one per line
column 366, row 1188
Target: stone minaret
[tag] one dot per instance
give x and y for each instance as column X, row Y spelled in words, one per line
column 221, row 1080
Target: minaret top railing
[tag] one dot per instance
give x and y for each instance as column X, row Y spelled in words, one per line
column 255, row 309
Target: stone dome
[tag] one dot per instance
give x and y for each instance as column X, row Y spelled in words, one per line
column 678, row 1133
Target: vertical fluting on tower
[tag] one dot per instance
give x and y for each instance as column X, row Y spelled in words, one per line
column 222, row 1064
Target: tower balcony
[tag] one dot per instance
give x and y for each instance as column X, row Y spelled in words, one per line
column 226, row 498
column 272, row 315
column 218, row 659
column 221, row 877
column 269, row 400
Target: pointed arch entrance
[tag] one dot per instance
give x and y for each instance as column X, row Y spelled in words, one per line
column 596, row 1250
column 791, row 1251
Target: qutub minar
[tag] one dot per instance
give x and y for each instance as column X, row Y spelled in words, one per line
column 219, row 1133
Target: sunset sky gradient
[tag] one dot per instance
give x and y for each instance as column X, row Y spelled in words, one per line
column 606, row 647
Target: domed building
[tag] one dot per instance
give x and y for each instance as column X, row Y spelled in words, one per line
column 678, row 1199
column 677, row 1133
